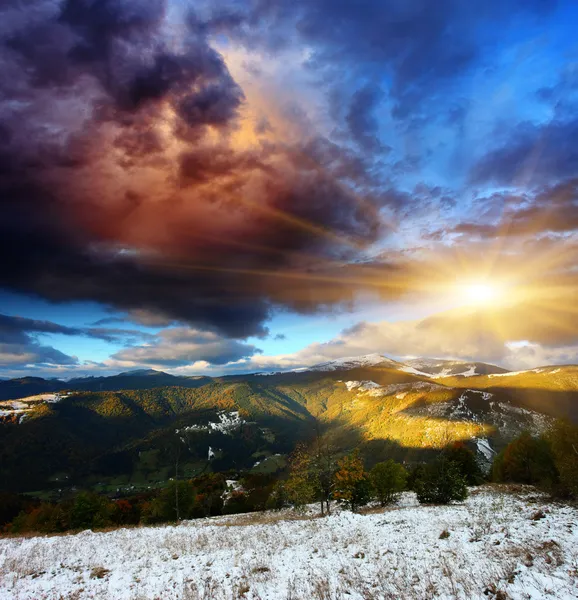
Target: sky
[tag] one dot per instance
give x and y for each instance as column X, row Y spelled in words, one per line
column 228, row 186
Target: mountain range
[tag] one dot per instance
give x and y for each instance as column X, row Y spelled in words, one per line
column 129, row 430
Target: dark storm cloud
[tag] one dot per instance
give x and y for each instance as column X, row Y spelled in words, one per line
column 18, row 345
column 15, row 328
column 419, row 45
column 113, row 188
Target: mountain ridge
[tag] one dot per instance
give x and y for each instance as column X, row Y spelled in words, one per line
column 125, row 435
column 18, row 385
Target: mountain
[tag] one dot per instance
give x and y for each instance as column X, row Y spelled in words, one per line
column 125, row 434
column 28, row 386
column 140, row 379
column 550, row 390
column 436, row 368
column 353, row 362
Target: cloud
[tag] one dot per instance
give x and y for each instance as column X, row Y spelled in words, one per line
column 518, row 336
column 124, row 181
column 19, row 346
column 420, row 46
column 549, row 209
column 532, row 155
column 181, row 347
column 142, row 168
column 360, row 118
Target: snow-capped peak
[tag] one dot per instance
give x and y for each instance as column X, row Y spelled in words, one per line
column 352, row 362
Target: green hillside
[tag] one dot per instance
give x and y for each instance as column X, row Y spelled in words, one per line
column 133, row 438
column 72, row 439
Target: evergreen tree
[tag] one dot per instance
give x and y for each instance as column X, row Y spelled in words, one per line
column 465, row 460
column 440, row 483
column 389, row 479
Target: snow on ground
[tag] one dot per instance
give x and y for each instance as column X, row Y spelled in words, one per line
column 9, row 413
column 495, row 545
column 22, row 406
column 228, row 422
column 408, row 369
column 363, row 386
column 56, row 397
column 435, row 369
column 514, row 373
column 375, row 389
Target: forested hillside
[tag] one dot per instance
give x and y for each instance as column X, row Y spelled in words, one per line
column 133, row 438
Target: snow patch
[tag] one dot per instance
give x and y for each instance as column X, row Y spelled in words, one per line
column 484, row 448
column 228, row 422
column 363, row 386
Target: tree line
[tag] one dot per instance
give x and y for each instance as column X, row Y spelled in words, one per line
column 317, row 473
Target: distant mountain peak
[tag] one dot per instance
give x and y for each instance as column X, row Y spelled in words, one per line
column 436, row 368
column 140, row 373
column 351, row 362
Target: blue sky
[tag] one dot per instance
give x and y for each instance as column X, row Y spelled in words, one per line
column 254, row 186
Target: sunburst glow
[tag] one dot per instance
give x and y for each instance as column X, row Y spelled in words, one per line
column 481, row 293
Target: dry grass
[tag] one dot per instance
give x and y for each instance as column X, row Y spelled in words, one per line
column 264, row 518
column 296, row 556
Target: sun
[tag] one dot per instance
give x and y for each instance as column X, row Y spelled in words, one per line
column 480, row 293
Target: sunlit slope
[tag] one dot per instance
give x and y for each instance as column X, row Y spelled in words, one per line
column 550, row 390
column 415, row 415
column 126, row 436
column 386, row 410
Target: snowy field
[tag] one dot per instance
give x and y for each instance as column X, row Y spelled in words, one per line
column 496, row 545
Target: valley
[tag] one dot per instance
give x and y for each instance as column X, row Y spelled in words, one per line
column 130, row 438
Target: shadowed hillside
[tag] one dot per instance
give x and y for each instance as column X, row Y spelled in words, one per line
column 133, row 437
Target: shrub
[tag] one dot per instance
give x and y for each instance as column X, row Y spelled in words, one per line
column 174, row 502
column 238, row 502
column 278, row 497
column 11, row 505
column 414, row 475
column 440, row 483
column 45, row 518
column 465, row 460
column 125, row 512
column 389, row 479
column 90, row 511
